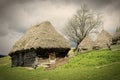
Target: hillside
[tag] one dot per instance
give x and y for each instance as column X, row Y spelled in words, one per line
column 92, row 65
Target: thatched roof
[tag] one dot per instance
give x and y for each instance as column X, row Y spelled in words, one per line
column 103, row 39
column 42, row 35
column 116, row 36
column 87, row 43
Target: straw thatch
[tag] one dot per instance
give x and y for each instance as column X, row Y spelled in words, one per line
column 86, row 44
column 39, row 46
column 103, row 39
column 116, row 37
column 43, row 35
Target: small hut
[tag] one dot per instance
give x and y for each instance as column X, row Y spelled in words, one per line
column 41, row 44
column 103, row 40
column 86, row 44
column 116, row 37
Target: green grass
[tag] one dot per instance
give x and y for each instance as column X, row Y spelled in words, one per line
column 92, row 65
column 116, row 47
column 94, row 58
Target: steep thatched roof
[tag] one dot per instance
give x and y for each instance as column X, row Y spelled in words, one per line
column 103, row 39
column 87, row 43
column 43, row 35
column 116, row 36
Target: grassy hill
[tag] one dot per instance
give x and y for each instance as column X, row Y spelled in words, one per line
column 92, row 65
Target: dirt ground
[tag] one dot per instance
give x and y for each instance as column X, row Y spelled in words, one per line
column 59, row 62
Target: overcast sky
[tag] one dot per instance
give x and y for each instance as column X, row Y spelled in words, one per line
column 16, row 16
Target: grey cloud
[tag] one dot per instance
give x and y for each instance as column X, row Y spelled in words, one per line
column 3, row 28
column 96, row 4
column 20, row 16
column 3, row 31
column 18, row 29
column 7, row 41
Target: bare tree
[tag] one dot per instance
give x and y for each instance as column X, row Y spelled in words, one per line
column 81, row 24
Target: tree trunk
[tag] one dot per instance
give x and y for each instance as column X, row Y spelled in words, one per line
column 108, row 45
column 76, row 48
